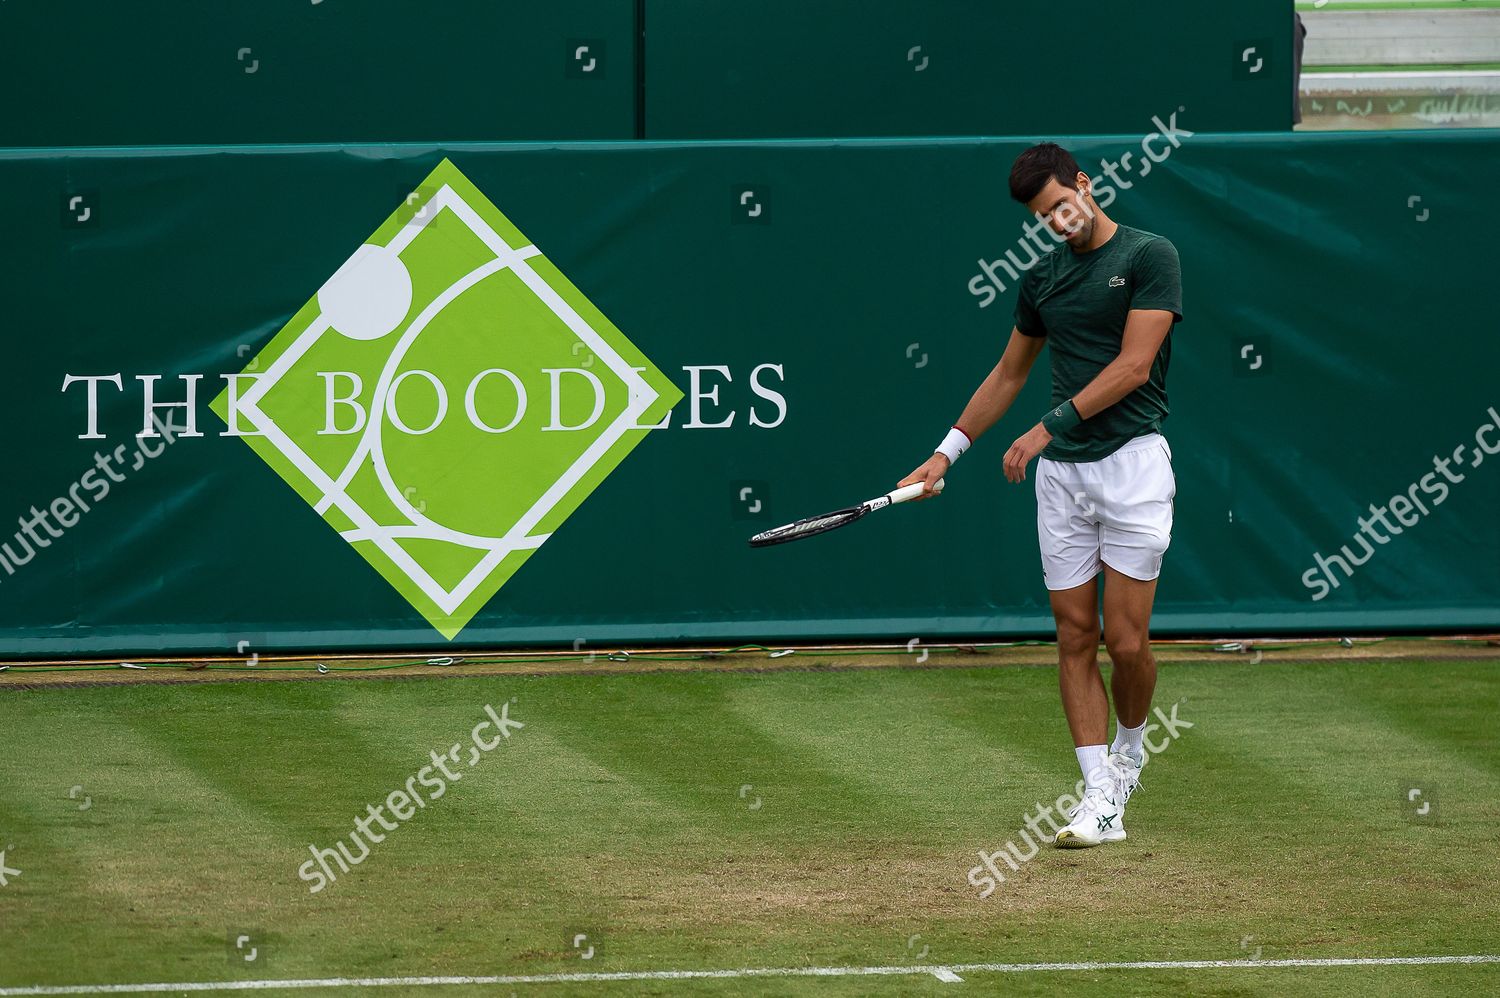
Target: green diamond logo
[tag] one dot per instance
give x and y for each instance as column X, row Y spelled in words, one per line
column 446, row 400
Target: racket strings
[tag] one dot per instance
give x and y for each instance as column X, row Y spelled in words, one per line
column 812, row 525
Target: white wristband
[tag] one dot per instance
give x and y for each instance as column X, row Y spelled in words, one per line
column 954, row 444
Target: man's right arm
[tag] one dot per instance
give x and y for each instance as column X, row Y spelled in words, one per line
column 990, row 401
column 996, row 393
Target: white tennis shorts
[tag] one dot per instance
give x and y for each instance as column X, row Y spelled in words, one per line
column 1116, row 511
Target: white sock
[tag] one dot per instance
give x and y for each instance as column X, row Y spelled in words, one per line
column 1091, row 761
column 1128, row 740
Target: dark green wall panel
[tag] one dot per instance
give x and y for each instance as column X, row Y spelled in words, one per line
column 171, row 72
column 726, row 69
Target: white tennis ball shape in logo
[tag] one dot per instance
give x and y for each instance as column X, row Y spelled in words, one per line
column 369, row 295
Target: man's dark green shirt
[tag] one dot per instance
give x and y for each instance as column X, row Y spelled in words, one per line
column 1079, row 301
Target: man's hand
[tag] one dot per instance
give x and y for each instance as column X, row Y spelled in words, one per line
column 934, row 468
column 1023, row 450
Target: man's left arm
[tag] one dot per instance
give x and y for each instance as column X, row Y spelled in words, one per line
column 1145, row 330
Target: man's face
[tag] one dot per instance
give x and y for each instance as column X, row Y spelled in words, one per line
column 1065, row 211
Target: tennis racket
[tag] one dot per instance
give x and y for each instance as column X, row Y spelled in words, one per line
column 815, row 525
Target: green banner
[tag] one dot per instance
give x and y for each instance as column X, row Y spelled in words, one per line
column 409, row 396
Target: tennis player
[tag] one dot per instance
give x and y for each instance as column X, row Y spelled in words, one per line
column 1104, row 483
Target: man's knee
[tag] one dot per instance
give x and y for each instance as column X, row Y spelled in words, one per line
column 1077, row 636
column 1076, row 612
column 1128, row 647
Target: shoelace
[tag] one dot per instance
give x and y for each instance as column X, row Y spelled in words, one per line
column 1123, row 777
column 1076, row 808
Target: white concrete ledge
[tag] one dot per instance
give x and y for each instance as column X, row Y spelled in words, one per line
column 1399, row 37
column 1402, row 83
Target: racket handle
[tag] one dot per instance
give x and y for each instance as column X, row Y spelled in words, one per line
column 911, row 491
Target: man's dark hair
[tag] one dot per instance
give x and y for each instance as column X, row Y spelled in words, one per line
column 1034, row 167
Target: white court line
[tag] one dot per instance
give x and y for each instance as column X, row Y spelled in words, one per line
column 944, row 973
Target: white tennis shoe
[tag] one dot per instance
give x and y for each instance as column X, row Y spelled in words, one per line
column 1095, row 820
column 1126, row 772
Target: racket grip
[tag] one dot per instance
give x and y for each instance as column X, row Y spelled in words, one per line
column 913, row 490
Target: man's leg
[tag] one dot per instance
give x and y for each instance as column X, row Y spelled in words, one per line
column 1127, row 636
column 1097, row 817
column 1076, row 612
